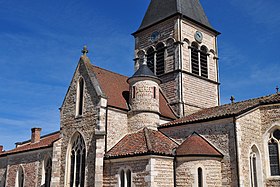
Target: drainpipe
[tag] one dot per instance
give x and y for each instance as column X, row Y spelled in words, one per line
column 181, row 100
column 174, row 170
column 237, row 153
column 106, row 127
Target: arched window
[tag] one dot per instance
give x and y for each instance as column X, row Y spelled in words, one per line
column 255, row 168
column 160, row 59
column 77, row 161
column 194, row 59
column 20, row 177
column 128, row 178
column 199, row 177
column 151, row 59
column 125, row 178
column 80, row 97
column 48, row 172
column 273, row 148
column 204, row 62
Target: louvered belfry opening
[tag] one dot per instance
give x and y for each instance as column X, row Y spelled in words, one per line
column 195, row 59
column 151, row 59
column 203, row 62
column 160, row 59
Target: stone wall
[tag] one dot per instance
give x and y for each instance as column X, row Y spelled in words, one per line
column 270, row 118
column 137, row 166
column 209, row 40
column 219, row 133
column 199, row 93
column 248, row 134
column 32, row 163
column 116, row 126
column 86, row 125
column 187, row 172
column 56, row 160
column 162, row 172
column 3, row 169
column 147, row 171
column 253, row 131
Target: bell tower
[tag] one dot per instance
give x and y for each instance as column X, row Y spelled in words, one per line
column 180, row 47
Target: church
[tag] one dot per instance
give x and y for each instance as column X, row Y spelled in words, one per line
column 163, row 126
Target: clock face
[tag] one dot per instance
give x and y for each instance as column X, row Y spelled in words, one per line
column 154, row 36
column 198, row 36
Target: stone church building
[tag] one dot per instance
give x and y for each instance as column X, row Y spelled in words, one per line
column 162, row 127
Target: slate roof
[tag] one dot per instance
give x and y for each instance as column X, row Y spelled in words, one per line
column 161, row 9
column 224, row 111
column 143, row 142
column 46, row 141
column 144, row 71
column 116, row 89
column 195, row 145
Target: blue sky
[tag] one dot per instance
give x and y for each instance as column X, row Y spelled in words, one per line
column 41, row 43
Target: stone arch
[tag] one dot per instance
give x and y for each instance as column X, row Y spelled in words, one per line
column 170, row 41
column 255, row 166
column 187, row 41
column 76, row 151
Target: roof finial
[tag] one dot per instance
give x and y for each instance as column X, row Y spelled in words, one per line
column 85, row 51
column 232, row 99
column 277, row 90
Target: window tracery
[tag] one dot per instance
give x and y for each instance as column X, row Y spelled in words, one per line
column 273, row 148
column 77, row 162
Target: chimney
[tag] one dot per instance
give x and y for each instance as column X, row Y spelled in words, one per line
column 1, row 148
column 35, row 135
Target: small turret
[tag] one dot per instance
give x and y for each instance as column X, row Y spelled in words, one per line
column 144, row 99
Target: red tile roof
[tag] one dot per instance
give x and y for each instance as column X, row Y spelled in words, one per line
column 195, row 145
column 116, row 89
column 145, row 141
column 228, row 110
column 46, row 141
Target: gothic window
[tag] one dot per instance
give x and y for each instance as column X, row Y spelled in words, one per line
column 77, row 162
column 204, row 62
column 151, row 59
column 200, row 177
column 160, row 59
column 125, row 178
column 155, row 92
column 253, row 166
column 194, row 58
column 48, row 172
column 80, row 97
column 273, row 148
column 20, row 177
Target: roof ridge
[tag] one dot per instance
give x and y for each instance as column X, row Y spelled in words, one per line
column 94, row 66
column 247, row 100
column 148, row 140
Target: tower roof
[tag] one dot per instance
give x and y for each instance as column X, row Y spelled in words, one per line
column 144, row 71
column 159, row 10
